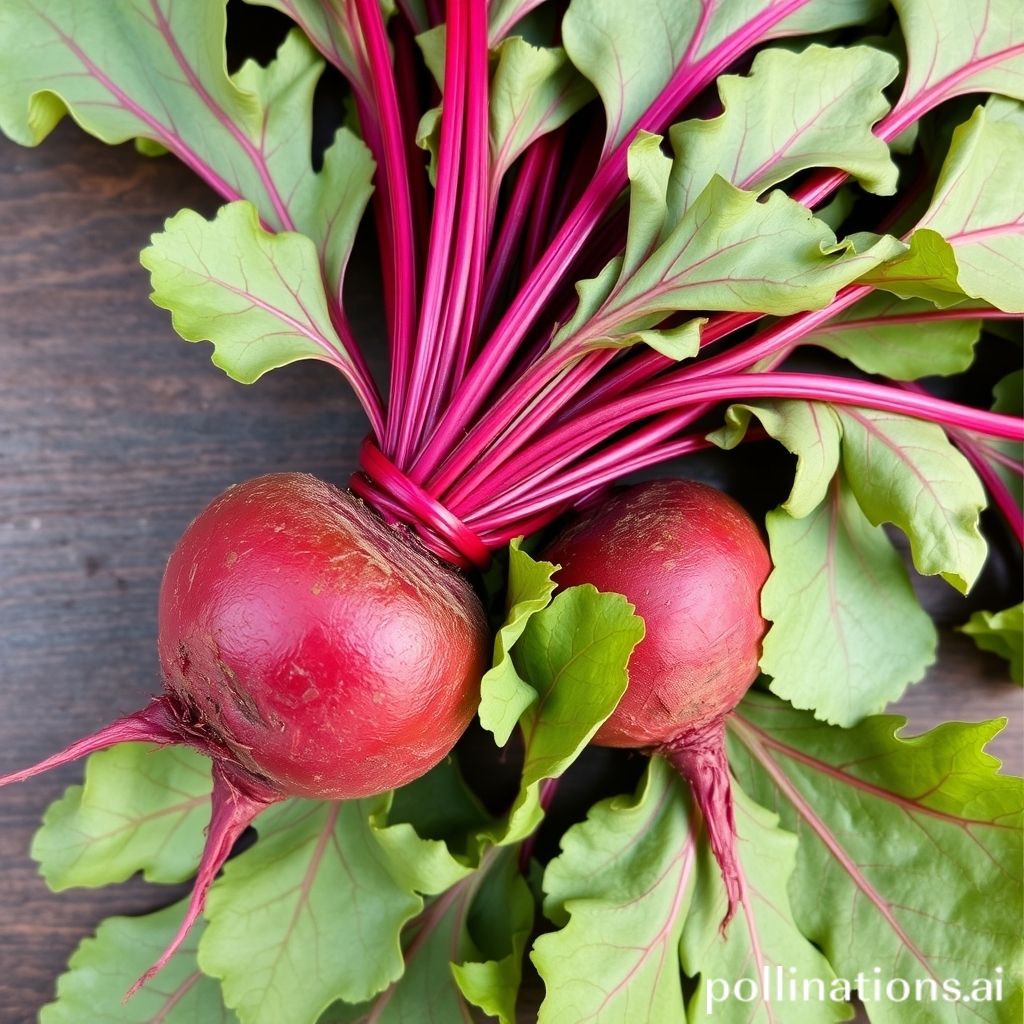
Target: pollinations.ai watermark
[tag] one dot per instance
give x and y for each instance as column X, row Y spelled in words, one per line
column 780, row 984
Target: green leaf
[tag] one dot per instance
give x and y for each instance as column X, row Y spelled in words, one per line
column 504, row 14
column 439, row 805
column 927, row 270
column 534, row 90
column 649, row 171
column 142, row 808
column 729, row 251
column 762, row 939
column 848, row 634
column 313, row 911
column 808, row 430
column 1001, row 633
column 905, row 471
column 500, row 922
column 630, row 51
column 446, row 950
column 326, row 206
column 958, row 49
column 331, row 29
column 257, row 296
column 970, row 241
column 573, row 654
column 910, row 852
column 901, row 339
column 104, row 967
column 156, row 71
column 504, row 695
column 620, row 890
column 793, row 111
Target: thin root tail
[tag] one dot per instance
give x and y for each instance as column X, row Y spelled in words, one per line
column 237, row 799
column 699, row 756
column 152, row 724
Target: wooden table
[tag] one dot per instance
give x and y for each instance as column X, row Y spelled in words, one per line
column 113, row 434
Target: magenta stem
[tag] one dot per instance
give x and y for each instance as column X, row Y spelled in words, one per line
column 394, row 184
column 570, row 440
column 537, row 234
column 474, row 211
column 908, row 111
column 981, row 457
column 531, row 499
column 519, row 208
column 997, row 489
column 439, row 276
column 236, row 800
column 155, row 723
column 547, row 275
column 410, row 105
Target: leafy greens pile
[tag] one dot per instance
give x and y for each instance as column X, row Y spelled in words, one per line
column 689, row 192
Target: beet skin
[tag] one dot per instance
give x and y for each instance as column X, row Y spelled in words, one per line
column 692, row 562
column 322, row 648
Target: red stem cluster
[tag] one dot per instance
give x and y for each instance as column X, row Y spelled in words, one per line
column 486, row 419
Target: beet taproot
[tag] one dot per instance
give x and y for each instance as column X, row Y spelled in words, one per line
column 692, row 562
column 310, row 650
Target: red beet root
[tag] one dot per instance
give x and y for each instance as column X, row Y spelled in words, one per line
column 310, row 650
column 693, row 563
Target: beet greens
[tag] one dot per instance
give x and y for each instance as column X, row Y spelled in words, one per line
column 605, row 229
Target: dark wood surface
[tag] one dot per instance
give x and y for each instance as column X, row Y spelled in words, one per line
column 113, row 434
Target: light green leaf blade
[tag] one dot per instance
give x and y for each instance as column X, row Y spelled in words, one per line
column 257, row 296
column 970, row 241
column 142, row 808
column 630, row 51
column 439, row 806
column 534, row 90
column 156, row 72
column 620, row 890
column 312, row 912
column 331, row 29
column 978, row 206
column 649, row 171
column 445, row 950
column 123, row 71
column 956, row 49
column 808, row 430
column 762, row 937
column 326, row 206
column 927, row 270
column 500, row 922
column 504, row 14
column 906, row 472
column 901, row 339
column 504, row 694
column 105, row 966
column 791, row 112
column 574, row 655
column 732, row 252
column 927, row 884
column 848, row 634
column 1001, row 633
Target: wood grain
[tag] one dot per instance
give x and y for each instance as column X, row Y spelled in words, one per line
column 113, row 434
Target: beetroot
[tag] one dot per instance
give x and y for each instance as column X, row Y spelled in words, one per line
column 310, row 650
column 693, row 563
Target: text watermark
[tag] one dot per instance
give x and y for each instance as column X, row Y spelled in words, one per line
column 780, row 984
